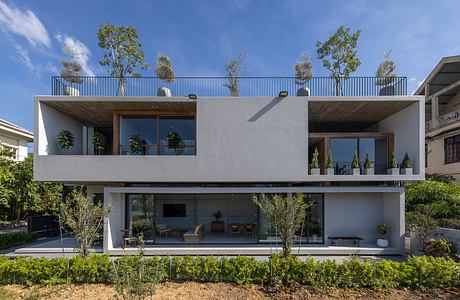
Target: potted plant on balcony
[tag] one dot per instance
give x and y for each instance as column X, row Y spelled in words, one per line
column 406, row 165
column 65, row 139
column 382, row 229
column 368, row 166
column 330, row 164
column 233, row 71
column 99, row 141
column 393, row 170
column 355, row 164
column 175, row 142
column 314, row 166
column 136, row 144
column 217, row 225
column 165, row 72
column 303, row 73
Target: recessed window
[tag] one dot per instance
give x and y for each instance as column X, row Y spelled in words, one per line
column 452, row 149
column 174, row 210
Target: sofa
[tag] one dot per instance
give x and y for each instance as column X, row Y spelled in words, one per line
column 195, row 234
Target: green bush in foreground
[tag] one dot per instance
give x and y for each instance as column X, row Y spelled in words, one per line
column 417, row 272
column 8, row 240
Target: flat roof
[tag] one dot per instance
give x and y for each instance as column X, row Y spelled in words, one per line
column 16, row 130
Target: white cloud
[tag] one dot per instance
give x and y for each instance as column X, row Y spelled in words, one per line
column 77, row 51
column 23, row 23
column 24, row 57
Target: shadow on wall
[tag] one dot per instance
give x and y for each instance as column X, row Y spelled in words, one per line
column 265, row 109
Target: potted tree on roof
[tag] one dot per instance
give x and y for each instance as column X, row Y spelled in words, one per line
column 386, row 75
column 368, row 166
column 355, row 164
column 393, row 170
column 233, row 71
column 330, row 164
column 406, row 165
column 303, row 73
column 314, row 166
column 165, row 72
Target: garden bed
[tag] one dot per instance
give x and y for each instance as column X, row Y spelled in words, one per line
column 193, row 290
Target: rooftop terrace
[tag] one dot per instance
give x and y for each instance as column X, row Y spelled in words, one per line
column 216, row 86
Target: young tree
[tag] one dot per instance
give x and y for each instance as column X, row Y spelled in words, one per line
column 84, row 218
column 233, row 70
column 386, row 70
column 303, row 69
column 71, row 71
column 339, row 55
column 286, row 214
column 422, row 226
column 122, row 52
column 164, row 69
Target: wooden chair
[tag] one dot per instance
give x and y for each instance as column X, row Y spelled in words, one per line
column 128, row 239
column 163, row 229
column 250, row 229
column 233, row 229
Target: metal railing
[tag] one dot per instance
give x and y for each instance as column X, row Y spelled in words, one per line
column 449, row 118
column 215, row 86
column 345, row 168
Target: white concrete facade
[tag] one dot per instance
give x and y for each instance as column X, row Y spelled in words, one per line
column 15, row 138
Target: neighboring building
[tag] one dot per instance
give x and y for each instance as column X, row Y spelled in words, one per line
column 230, row 149
column 442, row 131
column 15, row 139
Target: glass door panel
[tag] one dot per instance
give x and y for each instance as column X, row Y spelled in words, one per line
column 141, row 216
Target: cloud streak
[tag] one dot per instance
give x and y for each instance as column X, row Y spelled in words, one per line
column 24, row 57
column 25, row 24
column 77, row 51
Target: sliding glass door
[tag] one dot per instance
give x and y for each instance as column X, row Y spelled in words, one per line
column 140, row 217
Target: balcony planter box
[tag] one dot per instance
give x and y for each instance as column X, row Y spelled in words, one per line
column 356, row 171
column 393, row 171
column 315, row 171
column 406, row 171
column 330, row 171
column 369, row 171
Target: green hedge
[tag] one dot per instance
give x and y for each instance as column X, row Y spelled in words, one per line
column 8, row 240
column 416, row 272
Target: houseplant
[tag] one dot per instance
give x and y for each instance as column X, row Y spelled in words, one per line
column 165, row 72
column 174, row 141
column 136, row 144
column 65, row 139
column 99, row 141
column 314, row 166
column 382, row 229
column 406, row 165
column 217, row 225
column 355, row 164
column 393, row 170
column 368, row 166
column 330, row 164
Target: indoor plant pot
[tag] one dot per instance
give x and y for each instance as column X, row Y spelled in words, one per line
column 382, row 229
column 393, row 171
column 356, row 171
column 369, row 171
column 406, row 171
column 315, row 171
column 330, row 171
column 383, row 243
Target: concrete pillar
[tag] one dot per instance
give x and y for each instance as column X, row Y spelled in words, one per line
column 434, row 110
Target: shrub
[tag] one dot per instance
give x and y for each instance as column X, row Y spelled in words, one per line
column 8, row 240
column 406, row 163
column 65, row 139
column 368, row 163
column 355, row 161
column 314, row 159
column 393, row 162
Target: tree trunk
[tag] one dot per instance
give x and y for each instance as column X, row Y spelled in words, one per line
column 337, row 86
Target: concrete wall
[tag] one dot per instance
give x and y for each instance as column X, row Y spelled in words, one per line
column 394, row 217
column 408, row 126
column 436, row 159
column 16, row 142
column 115, row 222
column 49, row 122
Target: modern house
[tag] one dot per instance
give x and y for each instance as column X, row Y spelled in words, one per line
column 15, row 139
column 442, row 98
column 182, row 170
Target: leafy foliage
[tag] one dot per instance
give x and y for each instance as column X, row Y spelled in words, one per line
column 386, row 70
column 422, row 226
column 355, row 162
column 339, row 54
column 164, row 69
column 84, row 218
column 330, row 161
column 406, row 163
column 393, row 162
column 8, row 240
column 382, row 229
column 121, row 52
column 71, row 71
column 65, row 139
column 136, row 144
column 99, row 141
column 285, row 214
column 174, row 141
column 233, row 70
column 440, row 247
column 315, row 159
column 303, row 69
column 21, row 196
column 367, row 162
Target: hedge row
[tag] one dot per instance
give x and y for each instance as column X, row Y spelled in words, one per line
column 8, row 240
column 416, row 272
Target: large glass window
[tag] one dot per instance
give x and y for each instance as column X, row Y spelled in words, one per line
column 141, row 216
column 184, row 129
column 144, row 128
column 452, row 149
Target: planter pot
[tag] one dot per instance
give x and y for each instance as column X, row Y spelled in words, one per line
column 314, row 238
column 235, row 93
column 356, row 171
column 303, row 91
column 70, row 91
column 393, row 171
column 164, row 92
column 369, row 171
column 217, row 226
column 406, row 171
column 383, row 243
column 330, row 171
column 315, row 171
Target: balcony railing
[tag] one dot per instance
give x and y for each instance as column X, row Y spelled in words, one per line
column 449, row 118
column 215, row 86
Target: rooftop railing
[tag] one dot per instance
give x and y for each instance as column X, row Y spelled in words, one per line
column 216, row 86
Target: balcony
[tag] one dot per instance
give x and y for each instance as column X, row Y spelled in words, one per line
column 215, row 86
column 442, row 121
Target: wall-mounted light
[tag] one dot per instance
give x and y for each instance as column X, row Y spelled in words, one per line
column 192, row 96
column 283, row 94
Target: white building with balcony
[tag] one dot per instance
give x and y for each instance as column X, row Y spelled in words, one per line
column 195, row 196
column 14, row 139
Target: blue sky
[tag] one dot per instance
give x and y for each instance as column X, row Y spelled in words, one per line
column 200, row 37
